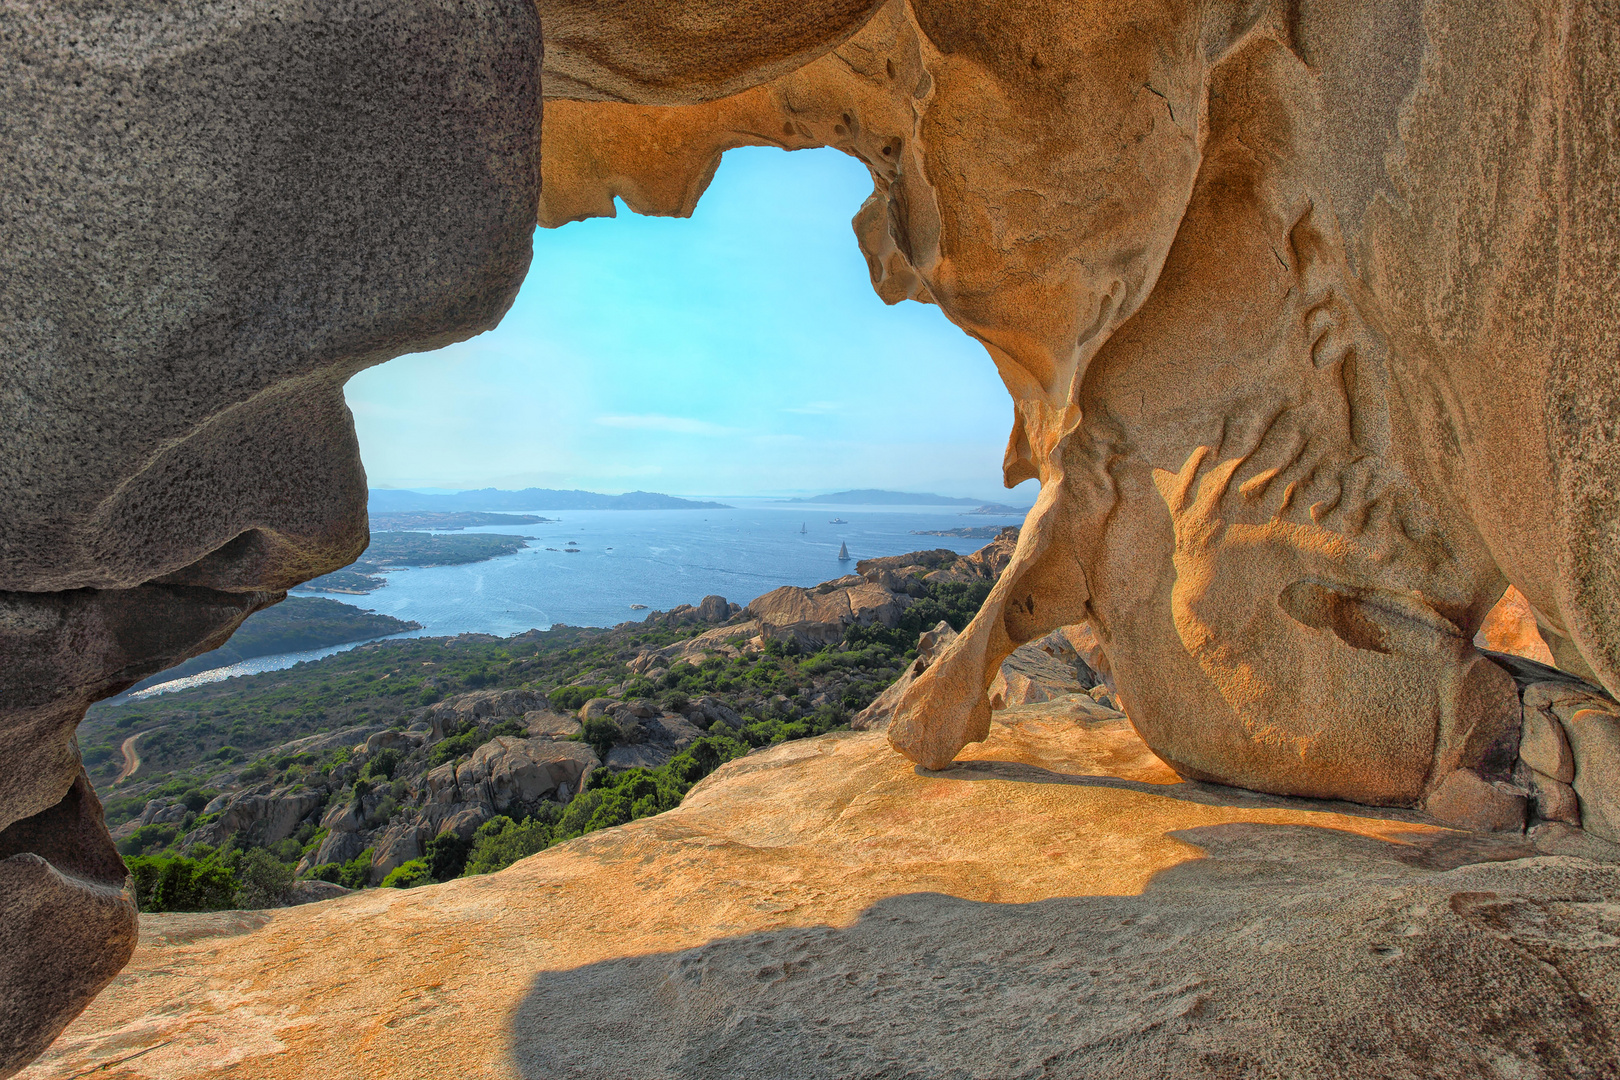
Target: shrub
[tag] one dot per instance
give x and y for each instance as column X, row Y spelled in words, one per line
column 446, row 856
column 500, row 842
column 178, row 883
column 264, row 880
column 196, row 798
column 383, row 764
column 148, row 838
column 408, row 875
column 702, row 758
column 356, row 873
column 571, row 698
column 601, row 732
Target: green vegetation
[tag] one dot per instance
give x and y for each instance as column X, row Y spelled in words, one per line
column 610, row 798
column 210, row 880
column 353, row 874
column 408, row 875
column 255, row 730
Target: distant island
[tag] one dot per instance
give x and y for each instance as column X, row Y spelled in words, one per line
column 297, row 624
column 974, row 532
column 385, row 500
column 393, row 550
column 874, row 497
column 998, row 510
column 407, row 520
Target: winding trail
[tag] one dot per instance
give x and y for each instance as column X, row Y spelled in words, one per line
column 132, row 760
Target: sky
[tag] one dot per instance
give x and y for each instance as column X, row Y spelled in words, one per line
column 741, row 351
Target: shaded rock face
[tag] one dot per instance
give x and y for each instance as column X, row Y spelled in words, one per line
column 1257, row 278
column 263, row 818
column 215, row 214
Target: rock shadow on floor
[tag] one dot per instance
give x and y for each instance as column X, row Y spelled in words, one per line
column 1288, row 951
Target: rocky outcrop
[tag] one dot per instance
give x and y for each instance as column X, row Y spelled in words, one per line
column 723, row 641
column 506, row 770
column 1058, row 894
column 262, row 817
column 942, row 564
column 713, row 609
column 823, row 615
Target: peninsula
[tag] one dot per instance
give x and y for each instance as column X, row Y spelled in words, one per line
column 396, row 550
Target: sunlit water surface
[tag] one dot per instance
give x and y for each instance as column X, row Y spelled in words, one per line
column 659, row 558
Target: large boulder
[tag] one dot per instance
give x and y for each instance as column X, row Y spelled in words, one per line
column 262, row 818
column 1264, row 326
column 823, row 614
column 481, row 706
column 508, row 770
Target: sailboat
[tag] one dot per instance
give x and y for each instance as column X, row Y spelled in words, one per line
column 802, row 528
column 843, row 552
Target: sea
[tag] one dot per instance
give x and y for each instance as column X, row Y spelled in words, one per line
column 629, row 558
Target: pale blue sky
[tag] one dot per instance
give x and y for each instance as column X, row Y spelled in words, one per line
column 740, row 351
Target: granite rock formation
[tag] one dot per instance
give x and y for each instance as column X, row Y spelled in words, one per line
column 1307, row 317
column 1056, row 903
column 213, row 214
column 1307, row 312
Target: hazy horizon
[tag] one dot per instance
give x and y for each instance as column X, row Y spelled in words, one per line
column 741, row 352
column 1023, row 496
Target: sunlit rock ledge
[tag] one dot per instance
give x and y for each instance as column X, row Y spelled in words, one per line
column 1057, row 904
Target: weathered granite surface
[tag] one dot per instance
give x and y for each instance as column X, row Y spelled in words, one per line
column 1056, row 903
column 1307, row 313
column 211, row 215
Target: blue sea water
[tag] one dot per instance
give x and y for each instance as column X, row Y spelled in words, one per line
column 659, row 558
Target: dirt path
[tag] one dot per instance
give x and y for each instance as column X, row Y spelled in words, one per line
column 132, row 760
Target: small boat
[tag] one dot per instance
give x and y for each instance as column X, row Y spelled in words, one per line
column 803, row 528
column 638, row 607
column 837, row 521
column 843, row 553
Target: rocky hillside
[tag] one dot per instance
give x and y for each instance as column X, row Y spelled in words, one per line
column 1055, row 904
column 509, row 745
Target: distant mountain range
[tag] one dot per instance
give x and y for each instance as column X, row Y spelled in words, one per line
column 874, row 497
column 385, row 500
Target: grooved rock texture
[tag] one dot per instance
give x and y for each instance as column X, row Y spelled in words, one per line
column 1307, row 312
column 211, row 215
column 1308, row 315
column 1054, row 904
